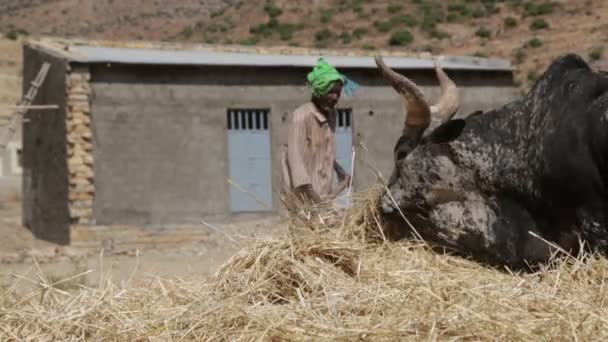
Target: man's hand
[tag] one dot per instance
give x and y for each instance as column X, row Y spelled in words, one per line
column 307, row 194
column 342, row 185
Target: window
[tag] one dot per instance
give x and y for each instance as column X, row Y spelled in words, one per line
column 247, row 119
column 344, row 116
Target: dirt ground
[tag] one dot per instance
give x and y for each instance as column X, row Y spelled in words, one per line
column 20, row 251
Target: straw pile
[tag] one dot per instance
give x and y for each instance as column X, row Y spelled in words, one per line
column 337, row 280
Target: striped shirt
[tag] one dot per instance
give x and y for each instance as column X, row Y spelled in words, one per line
column 310, row 154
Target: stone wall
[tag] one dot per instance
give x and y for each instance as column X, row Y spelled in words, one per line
column 81, row 190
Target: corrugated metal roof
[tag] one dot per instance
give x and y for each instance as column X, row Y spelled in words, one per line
column 126, row 55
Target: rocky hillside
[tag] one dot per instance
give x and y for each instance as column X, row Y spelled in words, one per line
column 529, row 33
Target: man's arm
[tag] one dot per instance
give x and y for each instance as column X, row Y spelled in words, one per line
column 342, row 174
column 343, row 177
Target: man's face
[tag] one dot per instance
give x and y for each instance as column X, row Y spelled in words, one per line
column 330, row 99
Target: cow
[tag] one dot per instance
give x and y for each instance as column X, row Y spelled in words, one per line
column 505, row 184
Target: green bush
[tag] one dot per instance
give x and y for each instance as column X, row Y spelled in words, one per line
column 323, row 35
column 596, row 54
column 457, row 7
column 326, row 16
column 13, row 34
column 250, row 41
column 432, row 14
column 359, row 32
column 346, row 38
column 394, row 8
column 264, row 30
column 520, row 56
column 478, row 13
column 401, row 38
column 286, row 31
column 369, row 47
column 510, row 22
column 534, row 43
column 187, row 32
column 272, row 10
column 539, row 24
column 533, row 9
column 532, row 76
column 438, row 34
column 483, row 33
column 383, row 26
column 405, row 19
column 216, row 13
column 491, row 8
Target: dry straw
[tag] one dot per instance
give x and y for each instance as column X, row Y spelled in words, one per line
column 327, row 281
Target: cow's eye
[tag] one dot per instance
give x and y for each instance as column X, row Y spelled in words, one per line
column 570, row 86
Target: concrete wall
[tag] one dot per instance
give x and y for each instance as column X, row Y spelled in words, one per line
column 45, row 210
column 160, row 138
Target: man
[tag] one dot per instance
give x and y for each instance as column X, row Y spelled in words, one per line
column 310, row 155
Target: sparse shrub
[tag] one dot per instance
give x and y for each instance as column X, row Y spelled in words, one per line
column 533, row 9
column 216, row 13
column 326, row 16
column 359, row 32
column 404, row 19
column 480, row 54
column 369, row 47
column 532, row 76
column 438, row 34
column 357, row 9
column 401, row 38
column 510, row 22
column 363, row 15
column 596, row 53
column 187, row 32
column 452, row 18
column 483, row 33
column 520, row 56
column 272, row 10
column 539, row 24
column 383, row 26
column 250, row 41
column 264, row 30
column 534, row 43
column 346, row 38
column 12, row 35
column 491, row 8
column 478, row 13
column 323, row 35
column 286, row 30
column 456, row 7
column 394, row 8
column 432, row 14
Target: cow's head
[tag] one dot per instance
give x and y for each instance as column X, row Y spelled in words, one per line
column 424, row 123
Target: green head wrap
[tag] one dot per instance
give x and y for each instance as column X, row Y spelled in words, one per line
column 323, row 77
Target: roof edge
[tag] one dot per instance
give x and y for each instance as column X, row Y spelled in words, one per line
column 142, row 52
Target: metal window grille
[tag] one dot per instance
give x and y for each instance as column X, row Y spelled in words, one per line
column 344, row 117
column 247, row 119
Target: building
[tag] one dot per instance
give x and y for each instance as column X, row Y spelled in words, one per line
column 148, row 136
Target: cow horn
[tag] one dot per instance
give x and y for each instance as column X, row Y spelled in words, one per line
column 449, row 101
column 417, row 109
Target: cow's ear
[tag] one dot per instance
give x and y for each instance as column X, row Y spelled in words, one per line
column 447, row 131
